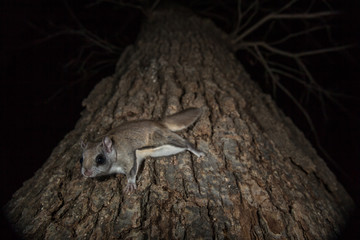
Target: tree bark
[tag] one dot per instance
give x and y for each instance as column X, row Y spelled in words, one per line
column 260, row 178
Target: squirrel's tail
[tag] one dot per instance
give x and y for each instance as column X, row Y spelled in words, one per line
column 181, row 120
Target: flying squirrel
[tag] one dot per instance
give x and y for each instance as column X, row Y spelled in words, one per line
column 124, row 148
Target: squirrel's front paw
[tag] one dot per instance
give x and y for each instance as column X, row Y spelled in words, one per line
column 130, row 187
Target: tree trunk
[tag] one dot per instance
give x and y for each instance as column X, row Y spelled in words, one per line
column 260, row 178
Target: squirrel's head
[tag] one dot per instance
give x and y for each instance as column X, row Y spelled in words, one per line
column 97, row 158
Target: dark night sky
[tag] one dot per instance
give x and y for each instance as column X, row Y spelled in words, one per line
column 41, row 94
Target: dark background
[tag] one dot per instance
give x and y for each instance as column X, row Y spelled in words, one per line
column 43, row 83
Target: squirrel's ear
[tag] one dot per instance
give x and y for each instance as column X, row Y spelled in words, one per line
column 107, row 144
column 83, row 145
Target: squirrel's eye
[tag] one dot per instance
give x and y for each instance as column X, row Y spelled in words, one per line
column 100, row 159
column 81, row 160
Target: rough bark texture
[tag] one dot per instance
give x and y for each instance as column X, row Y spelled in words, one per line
column 260, row 178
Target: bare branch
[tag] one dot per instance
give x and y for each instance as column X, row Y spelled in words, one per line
column 262, row 60
column 324, row 50
column 312, row 86
column 255, row 6
column 297, row 34
column 261, row 22
column 292, row 55
column 239, row 15
column 316, row 89
column 292, row 76
column 268, row 47
column 87, row 34
column 138, row 6
column 154, row 5
column 277, row 15
column 286, row 67
column 305, row 70
column 295, row 70
column 304, row 15
column 284, row 89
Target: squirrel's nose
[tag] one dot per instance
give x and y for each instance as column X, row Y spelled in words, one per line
column 88, row 173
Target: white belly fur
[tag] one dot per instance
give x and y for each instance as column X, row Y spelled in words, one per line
column 116, row 169
column 165, row 150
